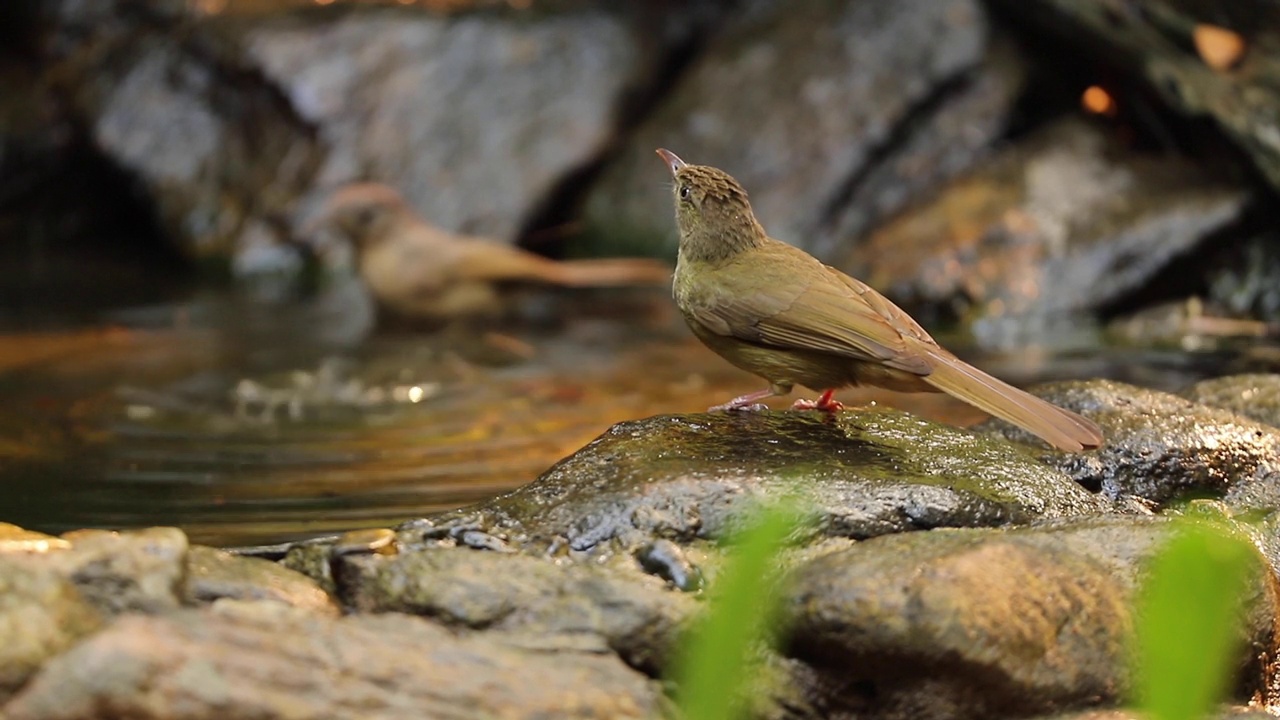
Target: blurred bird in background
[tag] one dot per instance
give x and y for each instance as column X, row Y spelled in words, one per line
column 420, row 271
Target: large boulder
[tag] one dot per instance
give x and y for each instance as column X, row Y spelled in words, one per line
column 828, row 112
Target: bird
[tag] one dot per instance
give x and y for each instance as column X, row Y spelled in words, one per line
column 418, row 270
column 777, row 312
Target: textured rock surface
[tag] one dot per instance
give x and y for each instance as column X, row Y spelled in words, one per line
column 214, row 148
column 866, row 473
column 635, row 615
column 986, row 622
column 264, row 660
column 234, row 125
column 1255, row 396
column 134, row 571
column 1060, row 222
column 472, row 118
column 1162, row 448
column 41, row 615
column 798, row 101
column 214, row 574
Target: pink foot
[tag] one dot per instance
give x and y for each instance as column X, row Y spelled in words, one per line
column 825, row 403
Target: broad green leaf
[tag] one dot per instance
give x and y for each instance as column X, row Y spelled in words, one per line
column 1189, row 612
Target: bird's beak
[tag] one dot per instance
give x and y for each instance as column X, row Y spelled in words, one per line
column 673, row 162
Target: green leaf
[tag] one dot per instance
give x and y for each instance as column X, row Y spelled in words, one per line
column 716, row 670
column 1189, row 612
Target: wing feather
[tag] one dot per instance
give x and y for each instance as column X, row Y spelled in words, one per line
column 827, row 312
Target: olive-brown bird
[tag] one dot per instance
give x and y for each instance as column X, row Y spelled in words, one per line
column 416, row 269
column 776, row 311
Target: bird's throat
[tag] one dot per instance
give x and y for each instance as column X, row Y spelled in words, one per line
column 721, row 242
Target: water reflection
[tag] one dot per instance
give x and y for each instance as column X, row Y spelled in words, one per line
column 245, row 421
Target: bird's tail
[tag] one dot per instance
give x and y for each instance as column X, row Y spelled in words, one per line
column 606, row 272
column 1061, row 428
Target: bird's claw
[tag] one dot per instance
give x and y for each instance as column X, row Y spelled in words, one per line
column 825, row 403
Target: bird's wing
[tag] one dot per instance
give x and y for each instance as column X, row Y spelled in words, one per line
column 793, row 301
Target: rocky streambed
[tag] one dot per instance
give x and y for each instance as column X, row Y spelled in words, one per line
column 948, row 573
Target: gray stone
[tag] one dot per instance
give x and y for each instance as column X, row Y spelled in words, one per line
column 987, row 623
column 633, row 614
column 216, row 151
column 1064, row 221
column 798, row 101
column 214, row 574
column 472, row 118
column 266, row 660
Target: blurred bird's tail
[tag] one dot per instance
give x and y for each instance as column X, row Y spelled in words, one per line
column 1061, row 428
column 606, row 272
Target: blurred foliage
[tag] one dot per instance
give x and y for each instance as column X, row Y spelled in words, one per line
column 720, row 664
column 1189, row 612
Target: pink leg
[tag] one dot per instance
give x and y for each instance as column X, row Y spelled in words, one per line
column 746, row 402
column 826, row 403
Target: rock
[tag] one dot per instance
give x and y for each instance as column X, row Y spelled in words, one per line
column 1255, row 396
column 1062, row 222
column 1164, row 448
column 41, row 615
column 174, row 104
column 985, row 623
column 496, row 110
column 633, row 614
column 265, row 660
column 684, row 477
column 14, row 539
column 131, row 571
column 214, row 574
column 314, row 561
column 234, row 124
column 1245, row 278
column 823, row 110
column 944, row 136
column 1153, row 41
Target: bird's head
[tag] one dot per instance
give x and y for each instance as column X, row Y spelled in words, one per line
column 712, row 212
column 363, row 213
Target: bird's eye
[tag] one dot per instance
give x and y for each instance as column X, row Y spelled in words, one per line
column 684, row 192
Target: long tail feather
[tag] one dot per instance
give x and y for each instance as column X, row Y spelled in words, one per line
column 1061, row 428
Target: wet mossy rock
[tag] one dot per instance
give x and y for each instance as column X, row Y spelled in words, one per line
column 1164, row 448
column 990, row 622
column 864, row 473
column 1254, row 395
